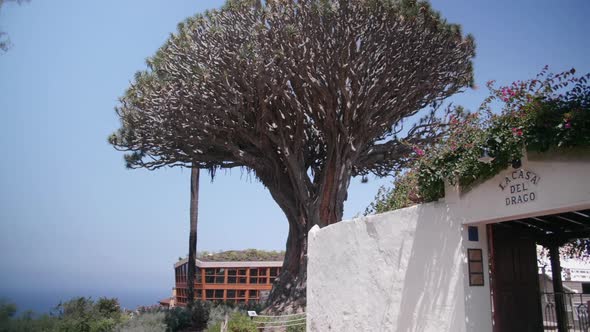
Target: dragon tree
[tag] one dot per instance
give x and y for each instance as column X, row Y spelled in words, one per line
column 304, row 94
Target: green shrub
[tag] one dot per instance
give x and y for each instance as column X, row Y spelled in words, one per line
column 214, row 328
column 7, row 310
column 180, row 318
column 200, row 315
column 298, row 328
column 80, row 314
column 177, row 319
column 241, row 323
column 146, row 322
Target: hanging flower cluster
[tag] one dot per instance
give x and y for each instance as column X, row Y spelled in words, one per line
column 548, row 112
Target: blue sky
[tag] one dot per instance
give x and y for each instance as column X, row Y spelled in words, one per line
column 73, row 220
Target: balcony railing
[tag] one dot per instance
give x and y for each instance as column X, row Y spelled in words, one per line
column 576, row 311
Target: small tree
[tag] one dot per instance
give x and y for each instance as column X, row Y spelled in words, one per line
column 305, row 94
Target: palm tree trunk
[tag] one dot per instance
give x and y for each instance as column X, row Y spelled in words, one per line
column 192, row 242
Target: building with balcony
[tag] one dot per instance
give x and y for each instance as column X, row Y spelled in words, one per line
column 238, row 281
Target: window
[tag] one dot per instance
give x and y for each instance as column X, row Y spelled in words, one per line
column 181, row 295
column 214, row 294
column 258, row 275
column 209, row 277
column 231, row 276
column 219, row 276
column 242, row 279
column 475, row 264
column 181, row 273
column 586, row 287
column 215, row 276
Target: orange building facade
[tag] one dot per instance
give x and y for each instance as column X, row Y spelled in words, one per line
column 227, row 281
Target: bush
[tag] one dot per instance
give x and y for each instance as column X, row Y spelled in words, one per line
column 218, row 312
column 180, row 318
column 146, row 322
column 241, row 323
column 298, row 328
column 7, row 310
column 177, row 319
column 216, row 327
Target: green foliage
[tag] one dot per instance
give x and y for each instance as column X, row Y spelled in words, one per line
column 297, row 328
column 404, row 193
column 27, row 323
column 218, row 313
column 179, row 318
column 85, row 315
column 242, row 255
column 538, row 115
column 200, row 314
column 80, row 314
column 7, row 310
column 241, row 323
column 145, row 322
column 220, row 310
column 108, row 308
column 216, row 327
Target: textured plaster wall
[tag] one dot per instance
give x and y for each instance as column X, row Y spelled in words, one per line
column 398, row 271
column 564, row 186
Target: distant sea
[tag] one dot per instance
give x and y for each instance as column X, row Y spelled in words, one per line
column 43, row 301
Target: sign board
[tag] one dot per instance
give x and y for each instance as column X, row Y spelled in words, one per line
column 519, row 186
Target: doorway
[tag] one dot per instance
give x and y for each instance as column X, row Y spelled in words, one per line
column 514, row 271
column 515, row 282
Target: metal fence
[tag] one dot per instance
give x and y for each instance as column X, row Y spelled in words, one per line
column 576, row 311
column 279, row 323
column 292, row 322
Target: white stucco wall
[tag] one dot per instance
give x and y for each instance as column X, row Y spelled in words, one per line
column 406, row 270
column 398, row 271
column 564, row 185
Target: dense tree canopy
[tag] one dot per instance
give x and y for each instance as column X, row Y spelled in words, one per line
column 305, row 94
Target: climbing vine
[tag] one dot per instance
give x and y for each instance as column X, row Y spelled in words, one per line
column 550, row 111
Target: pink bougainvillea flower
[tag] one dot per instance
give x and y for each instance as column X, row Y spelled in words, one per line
column 517, row 132
column 568, row 125
column 507, row 93
column 419, row 151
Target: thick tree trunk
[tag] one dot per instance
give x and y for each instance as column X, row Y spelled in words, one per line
column 288, row 294
column 324, row 208
column 192, row 242
column 334, row 191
